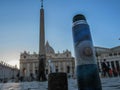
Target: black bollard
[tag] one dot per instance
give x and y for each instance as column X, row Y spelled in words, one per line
column 86, row 64
column 57, row 81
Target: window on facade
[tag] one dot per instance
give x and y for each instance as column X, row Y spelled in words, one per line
column 36, row 72
column 112, row 63
column 73, row 69
column 117, row 65
column 104, row 60
column 67, row 55
column 68, row 69
column 119, row 53
column 56, row 70
column 24, row 57
column 31, row 74
column 115, row 54
column 31, row 70
column 46, row 71
column 24, row 71
column 108, row 64
column 61, row 69
column 110, row 54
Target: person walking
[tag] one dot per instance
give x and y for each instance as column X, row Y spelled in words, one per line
column 105, row 68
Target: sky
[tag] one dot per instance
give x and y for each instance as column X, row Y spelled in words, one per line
column 19, row 25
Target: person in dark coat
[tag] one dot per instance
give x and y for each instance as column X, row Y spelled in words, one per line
column 105, row 68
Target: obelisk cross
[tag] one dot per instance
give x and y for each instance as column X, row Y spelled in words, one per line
column 41, row 3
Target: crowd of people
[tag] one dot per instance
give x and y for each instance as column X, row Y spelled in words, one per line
column 109, row 72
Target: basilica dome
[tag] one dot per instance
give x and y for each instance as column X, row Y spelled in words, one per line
column 49, row 49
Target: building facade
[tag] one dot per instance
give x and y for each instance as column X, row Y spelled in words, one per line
column 64, row 62
column 111, row 56
column 55, row 62
column 7, row 71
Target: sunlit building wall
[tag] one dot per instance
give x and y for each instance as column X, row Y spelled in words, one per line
column 7, row 71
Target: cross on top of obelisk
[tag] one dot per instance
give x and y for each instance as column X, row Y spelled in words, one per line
column 41, row 3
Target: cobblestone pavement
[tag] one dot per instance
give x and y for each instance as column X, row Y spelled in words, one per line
column 107, row 84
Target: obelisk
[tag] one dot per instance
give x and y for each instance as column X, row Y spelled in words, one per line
column 42, row 54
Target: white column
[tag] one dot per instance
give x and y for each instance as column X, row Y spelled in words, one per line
column 28, row 70
column 100, row 65
column 59, row 67
column 115, row 65
column 53, row 66
column 4, row 73
column 110, row 64
column 65, row 67
column 33, row 68
column 0, row 71
column 21, row 67
column 70, row 64
column 48, row 65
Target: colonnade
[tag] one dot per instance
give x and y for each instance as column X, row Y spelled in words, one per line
column 59, row 66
